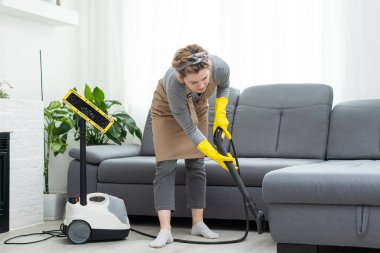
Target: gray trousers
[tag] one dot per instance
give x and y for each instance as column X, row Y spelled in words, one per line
column 164, row 183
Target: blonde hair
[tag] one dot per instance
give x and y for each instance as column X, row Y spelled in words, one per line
column 190, row 59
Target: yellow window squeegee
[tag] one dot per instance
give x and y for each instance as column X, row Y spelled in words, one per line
column 88, row 111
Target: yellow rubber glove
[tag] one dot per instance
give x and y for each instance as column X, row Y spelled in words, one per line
column 206, row 148
column 220, row 119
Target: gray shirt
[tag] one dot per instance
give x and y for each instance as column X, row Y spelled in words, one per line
column 177, row 96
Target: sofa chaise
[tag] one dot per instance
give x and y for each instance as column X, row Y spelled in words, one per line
column 336, row 202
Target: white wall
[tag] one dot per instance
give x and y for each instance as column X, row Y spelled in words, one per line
column 26, row 160
column 20, row 42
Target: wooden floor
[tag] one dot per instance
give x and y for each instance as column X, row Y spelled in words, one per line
column 137, row 243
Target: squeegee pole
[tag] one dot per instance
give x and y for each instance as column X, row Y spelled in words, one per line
column 83, row 187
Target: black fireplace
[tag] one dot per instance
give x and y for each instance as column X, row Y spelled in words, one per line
column 4, row 182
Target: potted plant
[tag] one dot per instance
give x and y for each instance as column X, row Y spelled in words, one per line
column 4, row 94
column 60, row 120
column 58, row 123
column 123, row 123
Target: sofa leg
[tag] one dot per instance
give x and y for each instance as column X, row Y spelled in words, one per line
column 296, row 248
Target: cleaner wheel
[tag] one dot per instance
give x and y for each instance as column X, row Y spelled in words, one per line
column 78, row 232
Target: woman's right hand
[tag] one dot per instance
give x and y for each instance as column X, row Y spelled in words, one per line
column 206, row 148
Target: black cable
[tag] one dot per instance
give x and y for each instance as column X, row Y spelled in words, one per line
column 51, row 233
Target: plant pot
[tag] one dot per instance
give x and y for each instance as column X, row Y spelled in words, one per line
column 54, row 206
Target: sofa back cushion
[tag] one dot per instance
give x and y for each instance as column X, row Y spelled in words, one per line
column 355, row 130
column 147, row 147
column 283, row 120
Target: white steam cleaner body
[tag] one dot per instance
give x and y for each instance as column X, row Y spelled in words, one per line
column 103, row 218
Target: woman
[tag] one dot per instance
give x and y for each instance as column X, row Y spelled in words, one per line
column 179, row 122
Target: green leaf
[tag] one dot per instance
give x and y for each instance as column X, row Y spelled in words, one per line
column 63, row 148
column 54, row 105
column 88, row 93
column 130, row 129
column 61, row 111
column 98, row 95
column 3, row 94
column 56, row 146
column 114, row 139
column 102, row 106
column 63, row 128
column 121, row 114
column 138, row 133
column 112, row 102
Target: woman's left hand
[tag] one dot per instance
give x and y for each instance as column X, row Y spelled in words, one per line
column 220, row 119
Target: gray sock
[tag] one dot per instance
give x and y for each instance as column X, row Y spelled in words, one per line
column 164, row 237
column 201, row 229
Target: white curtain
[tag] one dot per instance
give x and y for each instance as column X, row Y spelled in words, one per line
column 263, row 41
column 102, row 46
column 131, row 43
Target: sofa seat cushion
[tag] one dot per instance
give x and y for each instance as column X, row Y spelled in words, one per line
column 133, row 170
column 331, row 182
column 141, row 170
column 252, row 170
column 97, row 153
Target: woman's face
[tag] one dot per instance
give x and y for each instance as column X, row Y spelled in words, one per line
column 197, row 82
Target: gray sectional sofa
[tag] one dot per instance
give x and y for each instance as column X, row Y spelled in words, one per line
column 290, row 156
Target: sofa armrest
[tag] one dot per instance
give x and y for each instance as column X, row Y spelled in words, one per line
column 98, row 153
